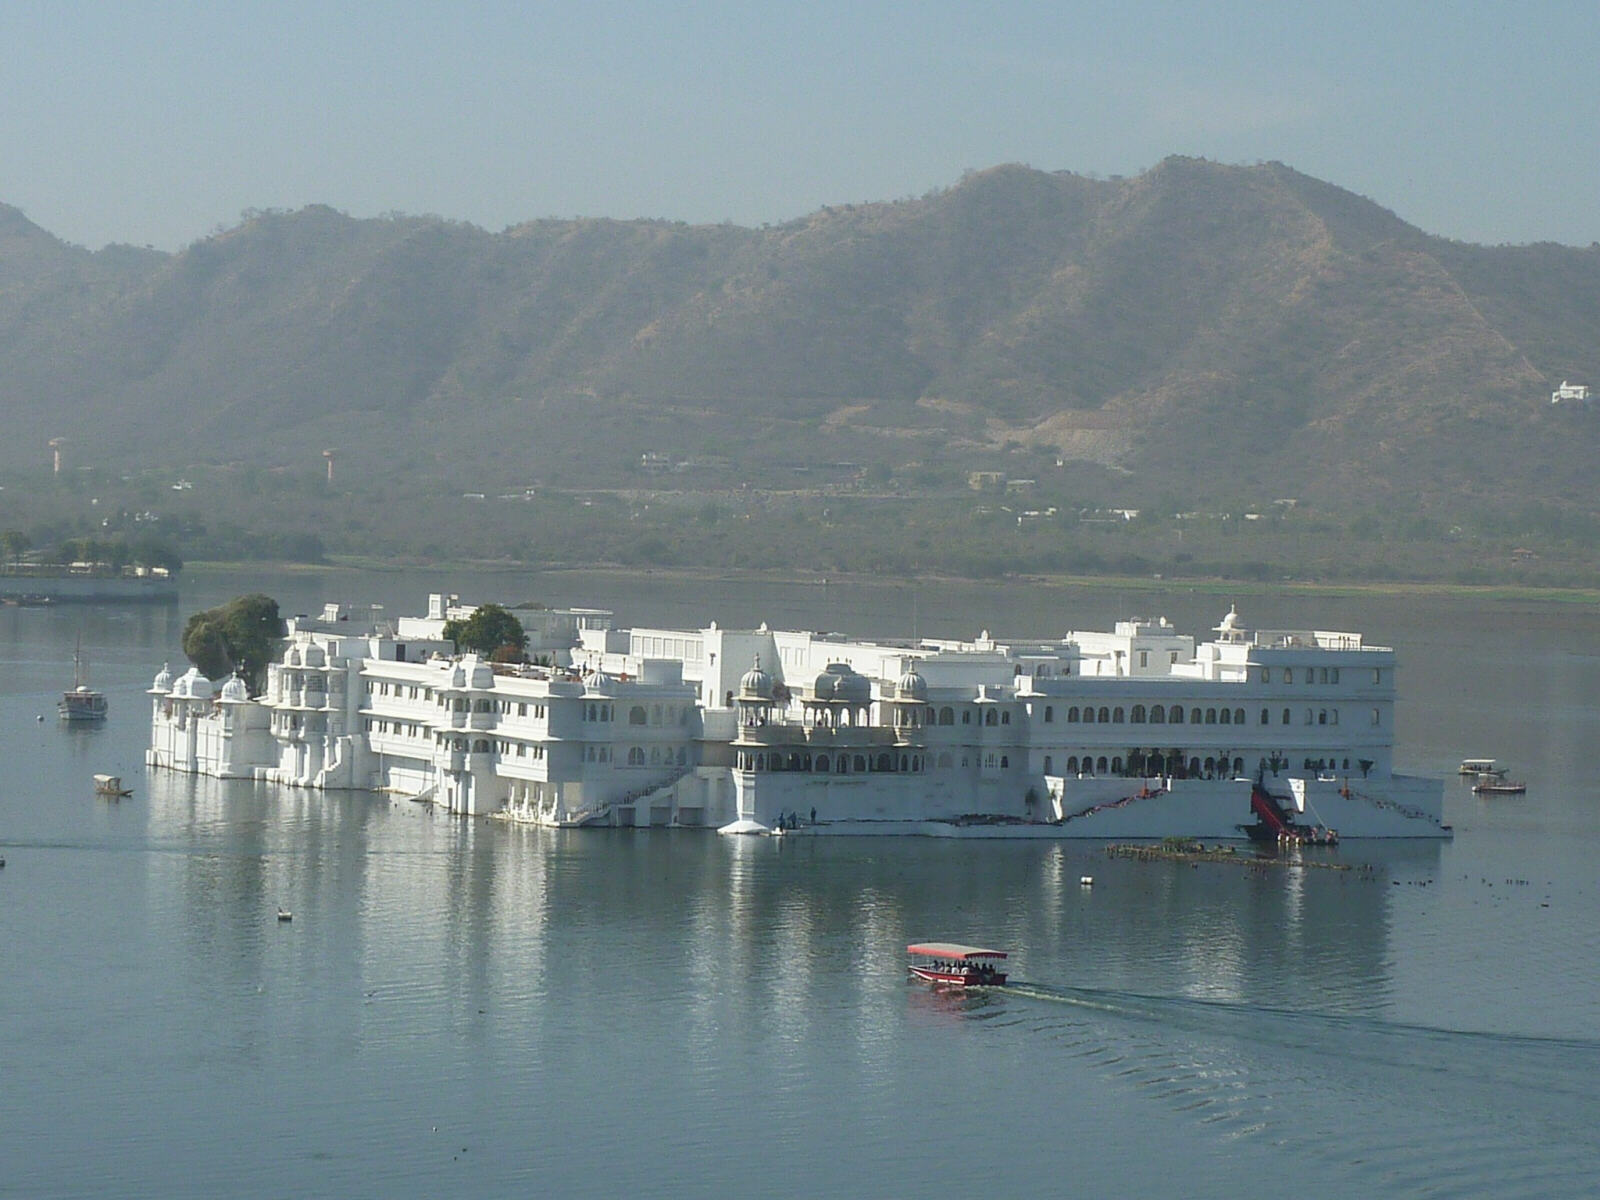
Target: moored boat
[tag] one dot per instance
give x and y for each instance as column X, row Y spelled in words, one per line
column 953, row 964
column 1497, row 785
column 81, row 703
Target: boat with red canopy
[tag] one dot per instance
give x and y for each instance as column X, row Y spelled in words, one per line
column 956, row 965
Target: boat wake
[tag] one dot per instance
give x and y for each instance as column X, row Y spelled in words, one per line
column 1438, row 1111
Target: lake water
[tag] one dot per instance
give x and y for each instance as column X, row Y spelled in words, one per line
column 461, row 1008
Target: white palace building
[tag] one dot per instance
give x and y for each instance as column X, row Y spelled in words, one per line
column 1141, row 732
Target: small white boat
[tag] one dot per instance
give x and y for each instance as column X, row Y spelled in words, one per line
column 110, row 785
column 284, row 914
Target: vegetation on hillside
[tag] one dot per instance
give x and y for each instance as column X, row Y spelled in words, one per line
column 1198, row 342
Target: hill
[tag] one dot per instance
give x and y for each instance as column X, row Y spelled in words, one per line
column 1208, row 334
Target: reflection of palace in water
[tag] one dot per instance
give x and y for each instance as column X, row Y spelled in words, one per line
column 1137, row 732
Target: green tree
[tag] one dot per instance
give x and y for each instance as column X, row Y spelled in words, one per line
column 488, row 630
column 239, row 635
column 15, row 544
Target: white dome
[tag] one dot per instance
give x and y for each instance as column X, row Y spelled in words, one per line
column 192, row 685
column 315, row 656
column 912, row 686
column 756, row 684
column 292, row 657
column 163, row 680
column 234, row 689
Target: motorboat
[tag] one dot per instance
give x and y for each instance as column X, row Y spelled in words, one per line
column 81, row 703
column 1498, row 785
column 952, row 964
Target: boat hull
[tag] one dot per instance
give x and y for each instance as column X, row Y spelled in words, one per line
column 957, row 978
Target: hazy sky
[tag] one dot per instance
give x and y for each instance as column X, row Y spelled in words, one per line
column 160, row 122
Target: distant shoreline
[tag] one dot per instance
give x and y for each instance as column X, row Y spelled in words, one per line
column 1199, row 585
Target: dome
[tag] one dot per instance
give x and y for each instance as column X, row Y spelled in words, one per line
column 163, row 680
column 292, row 657
column 841, row 683
column 192, row 686
column 599, row 681
column 756, row 684
column 458, row 677
column 912, row 686
column 234, row 690
column 315, row 657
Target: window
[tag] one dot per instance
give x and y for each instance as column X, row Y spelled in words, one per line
column 1288, row 674
column 1136, row 716
column 1049, row 713
column 966, row 716
column 1158, row 715
column 1194, row 716
column 1336, row 680
column 1144, row 658
column 1048, row 765
column 1238, row 716
column 636, row 715
column 1266, row 674
column 989, row 718
column 1116, row 716
column 1104, row 716
column 1072, row 715
column 1376, row 717
column 1286, row 716
column 1322, row 717
column 1175, row 714
column 1088, row 716
column 1005, row 718
column 1322, row 674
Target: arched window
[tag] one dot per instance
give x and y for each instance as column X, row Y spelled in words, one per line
column 947, row 716
column 991, row 717
column 1288, row 674
column 635, row 756
column 1100, row 764
column 1266, row 717
column 1195, row 716
column 860, row 764
column 1238, row 766
column 1286, row 716
column 1072, row 715
column 1116, row 715
column 1225, row 717
column 822, row 763
column 1136, row 716
column 1005, row 718
column 1116, row 766
column 1194, row 767
column 1158, row 715
column 1238, row 716
column 1049, row 767
column 1072, row 765
column 1104, row 715
column 636, row 715
column 1049, row 713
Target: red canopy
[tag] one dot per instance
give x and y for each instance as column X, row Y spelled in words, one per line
column 952, row 950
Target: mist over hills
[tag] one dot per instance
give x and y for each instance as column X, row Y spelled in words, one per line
column 1206, row 332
